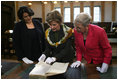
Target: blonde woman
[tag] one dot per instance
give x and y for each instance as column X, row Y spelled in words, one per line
column 58, row 37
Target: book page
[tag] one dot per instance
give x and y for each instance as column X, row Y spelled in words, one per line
column 57, row 68
column 40, row 69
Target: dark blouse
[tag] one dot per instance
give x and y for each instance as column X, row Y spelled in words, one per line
column 84, row 42
column 33, row 47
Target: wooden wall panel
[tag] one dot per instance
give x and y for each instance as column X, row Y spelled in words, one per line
column 81, row 6
column 92, row 10
column 52, row 6
column 43, row 13
column 71, row 11
column 113, row 10
column 62, row 9
column 102, row 11
column 16, row 9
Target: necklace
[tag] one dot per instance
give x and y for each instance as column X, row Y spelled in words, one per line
column 67, row 34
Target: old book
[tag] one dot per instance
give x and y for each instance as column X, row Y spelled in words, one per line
column 43, row 69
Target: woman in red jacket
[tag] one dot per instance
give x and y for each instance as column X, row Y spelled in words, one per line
column 91, row 42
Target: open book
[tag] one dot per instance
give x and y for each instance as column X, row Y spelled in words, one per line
column 44, row 69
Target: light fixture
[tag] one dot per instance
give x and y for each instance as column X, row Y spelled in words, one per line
column 65, row 1
column 76, row 1
column 29, row 3
column 10, row 39
column 45, row 2
column 10, row 31
column 55, row 2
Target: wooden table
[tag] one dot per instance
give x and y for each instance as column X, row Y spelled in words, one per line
column 88, row 71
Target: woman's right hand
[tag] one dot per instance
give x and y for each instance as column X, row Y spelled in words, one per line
column 75, row 64
column 42, row 57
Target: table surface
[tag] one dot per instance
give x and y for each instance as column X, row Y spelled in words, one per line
column 92, row 73
column 88, row 71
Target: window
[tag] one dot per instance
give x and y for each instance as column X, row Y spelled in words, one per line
column 58, row 9
column 76, row 11
column 97, row 14
column 66, row 14
column 87, row 10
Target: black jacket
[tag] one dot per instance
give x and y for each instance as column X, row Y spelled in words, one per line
column 64, row 52
column 22, row 43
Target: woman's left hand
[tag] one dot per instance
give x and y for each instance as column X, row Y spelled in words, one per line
column 75, row 64
column 103, row 69
column 49, row 60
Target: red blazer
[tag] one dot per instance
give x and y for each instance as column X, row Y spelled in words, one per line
column 96, row 48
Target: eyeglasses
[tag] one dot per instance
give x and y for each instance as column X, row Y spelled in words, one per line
column 77, row 27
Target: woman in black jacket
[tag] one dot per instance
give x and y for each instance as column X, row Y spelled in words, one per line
column 28, row 36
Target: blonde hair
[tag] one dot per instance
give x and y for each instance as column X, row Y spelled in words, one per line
column 83, row 18
column 54, row 15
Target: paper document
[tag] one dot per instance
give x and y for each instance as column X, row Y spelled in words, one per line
column 40, row 69
column 44, row 69
column 58, row 68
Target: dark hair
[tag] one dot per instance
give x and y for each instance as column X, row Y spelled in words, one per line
column 24, row 9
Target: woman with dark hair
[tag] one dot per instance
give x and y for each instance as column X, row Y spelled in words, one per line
column 28, row 36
